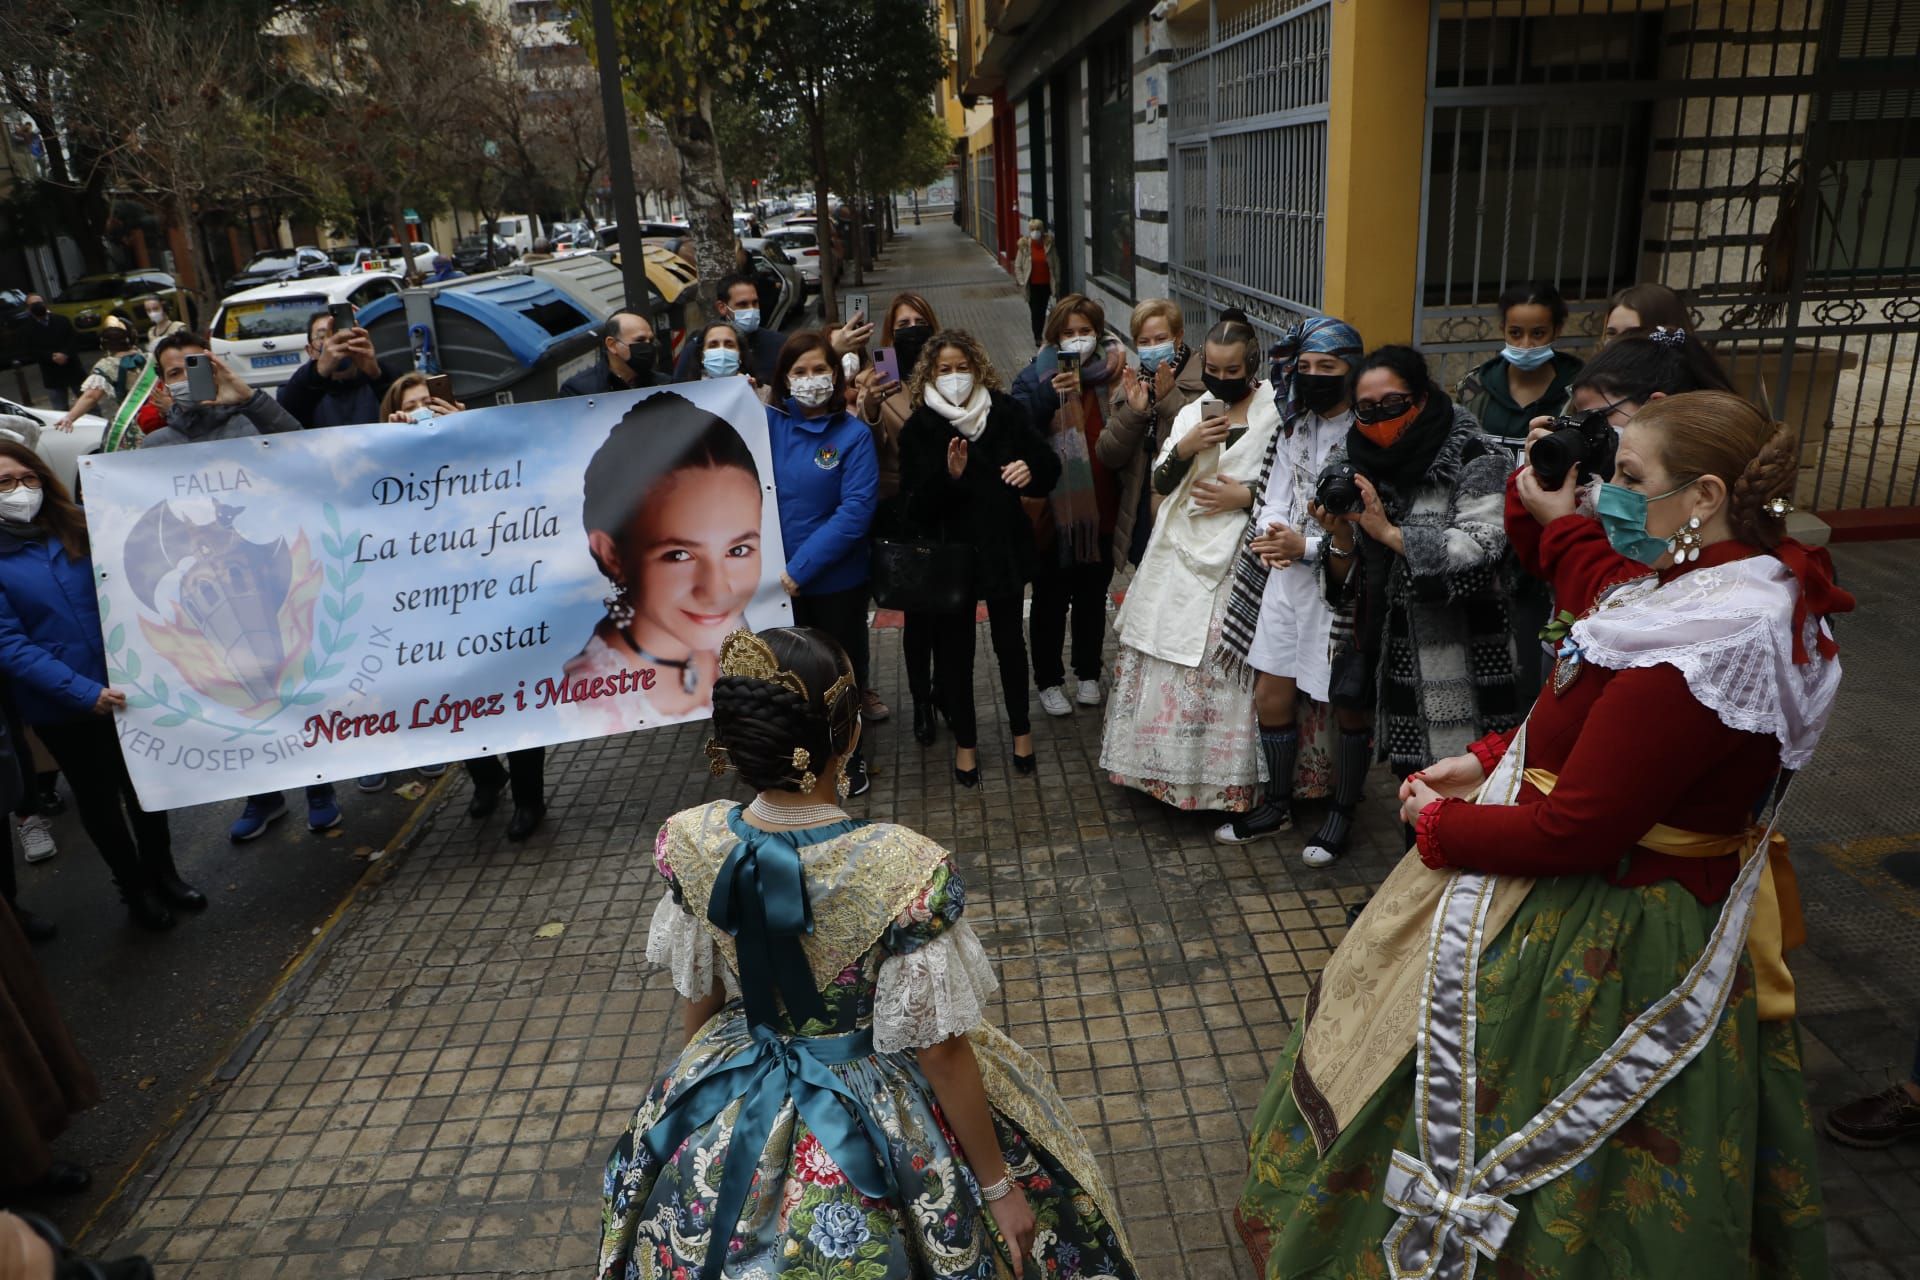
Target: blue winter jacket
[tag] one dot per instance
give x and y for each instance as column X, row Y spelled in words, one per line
column 50, row 647
column 828, row 478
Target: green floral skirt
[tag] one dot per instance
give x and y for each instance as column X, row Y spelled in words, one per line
column 1714, row 1177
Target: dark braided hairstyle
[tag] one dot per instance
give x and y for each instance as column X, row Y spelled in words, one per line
column 1719, row 434
column 761, row 724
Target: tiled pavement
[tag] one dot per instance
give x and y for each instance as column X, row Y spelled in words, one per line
column 437, row 1096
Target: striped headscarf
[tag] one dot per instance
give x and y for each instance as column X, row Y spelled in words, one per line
column 1315, row 335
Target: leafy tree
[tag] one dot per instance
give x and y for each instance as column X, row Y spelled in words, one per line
column 834, row 53
column 673, row 54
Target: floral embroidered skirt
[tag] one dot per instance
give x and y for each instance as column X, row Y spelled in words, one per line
column 1714, row 1177
column 804, row 1221
column 1189, row 736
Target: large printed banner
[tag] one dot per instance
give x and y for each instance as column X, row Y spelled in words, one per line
column 302, row 608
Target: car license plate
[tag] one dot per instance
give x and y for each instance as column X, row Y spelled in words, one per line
column 271, row 362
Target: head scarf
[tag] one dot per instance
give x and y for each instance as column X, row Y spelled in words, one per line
column 1323, row 335
column 1316, row 334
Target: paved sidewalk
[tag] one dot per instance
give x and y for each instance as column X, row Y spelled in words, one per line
column 437, row 1100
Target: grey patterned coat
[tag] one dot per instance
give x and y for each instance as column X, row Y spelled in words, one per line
column 1430, row 650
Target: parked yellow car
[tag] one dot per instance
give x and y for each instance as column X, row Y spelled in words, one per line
column 88, row 301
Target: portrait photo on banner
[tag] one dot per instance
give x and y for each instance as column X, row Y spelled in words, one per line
column 308, row 607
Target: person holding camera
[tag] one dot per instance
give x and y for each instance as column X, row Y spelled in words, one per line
column 342, row 382
column 1279, row 622
column 1064, row 391
column 1630, row 374
column 1180, row 725
column 1411, row 503
column 968, row 455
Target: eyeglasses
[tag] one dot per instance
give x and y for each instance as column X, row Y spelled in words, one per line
column 9, row 483
column 1383, row 409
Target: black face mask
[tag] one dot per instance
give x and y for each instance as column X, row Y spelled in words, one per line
column 1319, row 392
column 909, row 340
column 39, row 310
column 640, row 355
column 1232, row 390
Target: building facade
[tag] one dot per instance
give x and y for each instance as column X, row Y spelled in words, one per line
column 1400, row 163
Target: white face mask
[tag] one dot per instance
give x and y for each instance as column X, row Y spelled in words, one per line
column 20, row 506
column 178, row 390
column 1079, row 346
column 812, row 391
column 956, row 387
column 155, row 314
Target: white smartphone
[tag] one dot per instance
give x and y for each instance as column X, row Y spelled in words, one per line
column 857, row 307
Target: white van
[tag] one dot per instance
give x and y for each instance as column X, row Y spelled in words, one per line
column 518, row 230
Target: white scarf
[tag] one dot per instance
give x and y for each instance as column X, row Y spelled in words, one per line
column 1728, row 629
column 969, row 419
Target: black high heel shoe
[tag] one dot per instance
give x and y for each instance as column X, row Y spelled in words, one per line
column 968, row 778
column 1025, row 765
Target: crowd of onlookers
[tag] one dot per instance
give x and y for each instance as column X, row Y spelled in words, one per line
column 1320, row 577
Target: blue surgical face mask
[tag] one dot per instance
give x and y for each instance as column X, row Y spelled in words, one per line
column 1623, row 514
column 1526, row 357
column 746, row 319
column 1151, row 358
column 720, row 362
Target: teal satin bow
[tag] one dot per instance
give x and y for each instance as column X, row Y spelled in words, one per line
column 762, row 1077
column 760, row 899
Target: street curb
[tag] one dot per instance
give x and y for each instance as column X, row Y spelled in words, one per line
column 130, row 1192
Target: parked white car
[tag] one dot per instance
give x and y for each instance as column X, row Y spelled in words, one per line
column 802, row 248
column 61, row 449
column 262, row 333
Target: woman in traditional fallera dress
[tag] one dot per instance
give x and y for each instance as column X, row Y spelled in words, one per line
column 1610, row 1123
column 840, row 1110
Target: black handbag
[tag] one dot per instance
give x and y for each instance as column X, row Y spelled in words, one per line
column 922, row 577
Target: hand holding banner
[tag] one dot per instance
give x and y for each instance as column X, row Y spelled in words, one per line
column 301, row 608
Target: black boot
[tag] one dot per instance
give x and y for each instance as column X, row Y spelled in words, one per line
column 485, row 800
column 924, row 726
column 1351, row 759
column 148, row 909
column 1281, row 747
column 168, row 884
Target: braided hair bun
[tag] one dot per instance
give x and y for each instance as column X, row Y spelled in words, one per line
column 763, row 725
column 1716, row 433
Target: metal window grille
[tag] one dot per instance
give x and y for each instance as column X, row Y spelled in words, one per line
column 1247, row 133
column 1761, row 157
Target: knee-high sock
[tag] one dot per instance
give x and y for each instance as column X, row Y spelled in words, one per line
column 1351, row 758
column 1281, row 747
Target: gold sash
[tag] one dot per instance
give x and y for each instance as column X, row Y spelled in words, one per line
column 1778, row 925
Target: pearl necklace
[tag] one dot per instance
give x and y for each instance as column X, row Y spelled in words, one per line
column 796, row 815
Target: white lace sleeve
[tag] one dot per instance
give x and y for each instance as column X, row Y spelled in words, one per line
column 679, row 943
column 932, row 994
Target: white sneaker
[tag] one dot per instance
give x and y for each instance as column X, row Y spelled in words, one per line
column 1318, row 855
column 1088, row 695
column 1054, row 701
column 36, row 839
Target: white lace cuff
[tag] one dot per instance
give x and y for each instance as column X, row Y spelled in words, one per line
column 679, row 943
column 932, row 994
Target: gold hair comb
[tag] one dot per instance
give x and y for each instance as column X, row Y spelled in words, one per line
column 746, row 654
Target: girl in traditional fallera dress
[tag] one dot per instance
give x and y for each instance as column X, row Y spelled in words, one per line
column 840, row 1110
column 1607, row 1121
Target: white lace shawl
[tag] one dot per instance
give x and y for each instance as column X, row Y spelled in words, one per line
column 924, row 997
column 1728, row 629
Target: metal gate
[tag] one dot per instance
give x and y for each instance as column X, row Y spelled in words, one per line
column 1761, row 158
column 1247, row 136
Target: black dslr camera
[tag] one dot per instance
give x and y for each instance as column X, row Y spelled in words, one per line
column 1338, row 491
column 1584, row 441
